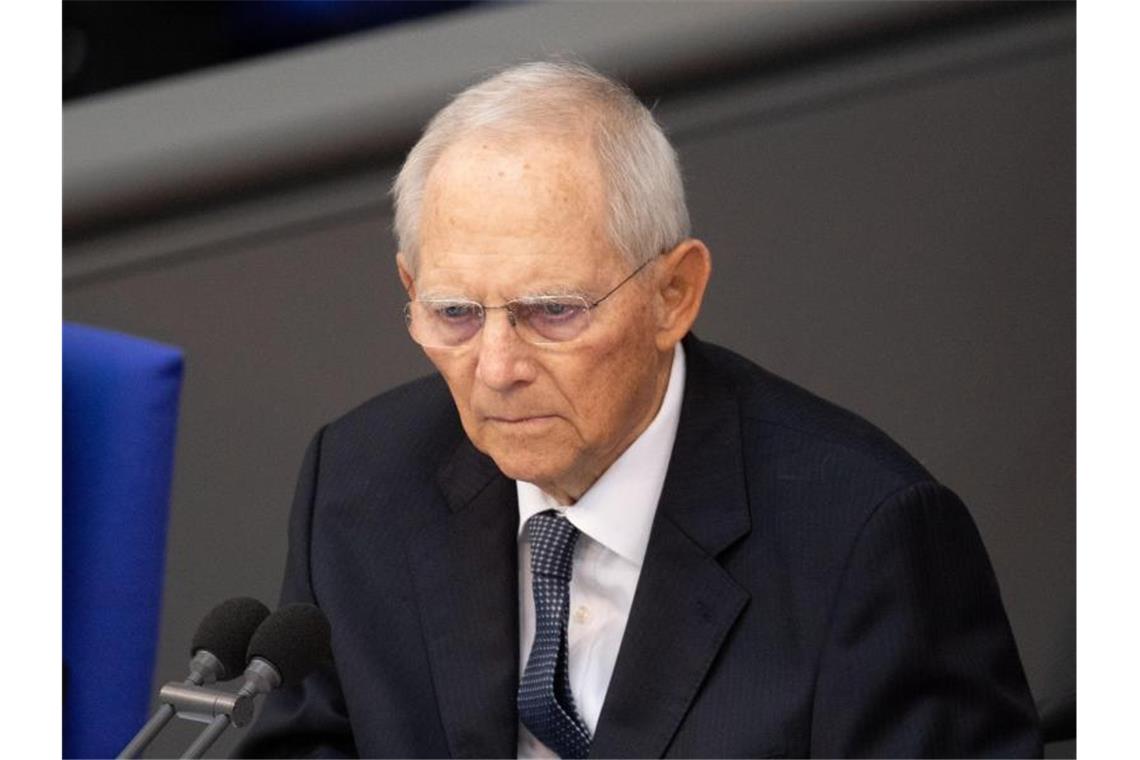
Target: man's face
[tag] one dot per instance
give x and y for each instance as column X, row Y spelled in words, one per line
column 506, row 220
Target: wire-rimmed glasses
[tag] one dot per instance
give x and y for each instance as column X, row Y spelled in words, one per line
column 539, row 320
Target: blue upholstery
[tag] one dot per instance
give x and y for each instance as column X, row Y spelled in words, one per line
column 120, row 408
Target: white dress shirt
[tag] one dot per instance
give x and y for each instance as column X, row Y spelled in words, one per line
column 614, row 517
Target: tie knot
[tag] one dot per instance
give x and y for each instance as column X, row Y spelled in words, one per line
column 552, row 540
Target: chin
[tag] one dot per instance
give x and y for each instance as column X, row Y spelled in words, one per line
column 519, row 463
column 520, row 468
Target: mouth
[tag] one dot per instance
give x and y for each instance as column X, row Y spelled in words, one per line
column 532, row 420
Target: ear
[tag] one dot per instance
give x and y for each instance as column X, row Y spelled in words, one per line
column 406, row 277
column 683, row 274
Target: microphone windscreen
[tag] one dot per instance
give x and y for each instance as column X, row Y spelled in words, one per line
column 226, row 630
column 295, row 640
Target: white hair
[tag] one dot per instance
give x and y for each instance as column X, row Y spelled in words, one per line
column 645, row 197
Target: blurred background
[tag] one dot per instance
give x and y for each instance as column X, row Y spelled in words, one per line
column 888, row 190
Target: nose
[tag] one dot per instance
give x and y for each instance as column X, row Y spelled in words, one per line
column 504, row 359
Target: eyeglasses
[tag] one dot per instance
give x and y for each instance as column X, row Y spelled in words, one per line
column 539, row 320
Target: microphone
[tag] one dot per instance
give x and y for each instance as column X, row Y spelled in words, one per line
column 289, row 645
column 218, row 653
column 219, row 644
column 286, row 647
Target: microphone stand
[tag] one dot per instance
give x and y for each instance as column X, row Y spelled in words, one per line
column 203, row 668
column 260, row 678
column 150, row 730
column 207, row 737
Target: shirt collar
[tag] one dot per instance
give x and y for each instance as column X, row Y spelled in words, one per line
column 617, row 511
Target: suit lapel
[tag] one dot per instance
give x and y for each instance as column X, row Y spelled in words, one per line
column 685, row 603
column 464, row 561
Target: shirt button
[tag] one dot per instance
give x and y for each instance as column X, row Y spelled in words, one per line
column 582, row 615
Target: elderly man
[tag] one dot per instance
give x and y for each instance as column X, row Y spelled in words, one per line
column 593, row 534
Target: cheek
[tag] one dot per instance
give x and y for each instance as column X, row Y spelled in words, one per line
column 606, row 394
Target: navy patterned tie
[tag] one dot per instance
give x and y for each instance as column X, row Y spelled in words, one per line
column 546, row 706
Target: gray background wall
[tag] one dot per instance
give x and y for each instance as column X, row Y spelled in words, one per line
column 888, row 191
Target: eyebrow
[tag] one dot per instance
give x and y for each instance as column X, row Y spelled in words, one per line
column 444, row 294
column 557, row 290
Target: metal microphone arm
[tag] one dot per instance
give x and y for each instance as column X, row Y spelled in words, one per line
column 260, row 677
column 204, row 668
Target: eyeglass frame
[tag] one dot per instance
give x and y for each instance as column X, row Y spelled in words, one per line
column 510, row 307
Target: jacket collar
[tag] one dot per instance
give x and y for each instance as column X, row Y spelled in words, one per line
column 705, row 492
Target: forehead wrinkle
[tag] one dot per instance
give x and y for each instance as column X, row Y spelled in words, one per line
column 467, row 271
column 472, row 275
column 443, row 294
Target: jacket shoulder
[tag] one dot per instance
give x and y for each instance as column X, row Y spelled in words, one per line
column 418, row 403
column 405, row 430
column 806, row 436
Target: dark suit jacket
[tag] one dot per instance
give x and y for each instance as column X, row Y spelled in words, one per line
column 808, row 589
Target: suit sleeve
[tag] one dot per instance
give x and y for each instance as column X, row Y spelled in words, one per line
column 920, row 660
column 310, row 718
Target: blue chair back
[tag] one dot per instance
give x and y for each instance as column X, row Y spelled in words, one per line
column 120, row 408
